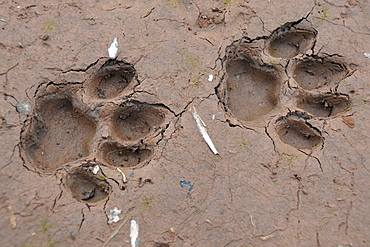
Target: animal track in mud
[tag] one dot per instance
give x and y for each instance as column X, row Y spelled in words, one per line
column 251, row 87
column 111, row 79
column 258, row 82
column 73, row 124
column 57, row 124
column 294, row 130
column 115, row 155
column 315, row 72
column 135, row 120
column 85, row 187
column 323, row 105
column 291, row 39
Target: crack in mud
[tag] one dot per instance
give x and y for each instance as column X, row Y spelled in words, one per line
column 309, row 155
column 6, row 74
column 269, row 136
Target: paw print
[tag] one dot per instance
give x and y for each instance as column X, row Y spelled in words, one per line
column 76, row 126
column 263, row 75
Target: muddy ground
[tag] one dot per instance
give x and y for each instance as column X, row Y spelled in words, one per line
column 282, row 87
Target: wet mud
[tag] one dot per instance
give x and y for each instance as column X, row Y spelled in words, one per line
column 91, row 143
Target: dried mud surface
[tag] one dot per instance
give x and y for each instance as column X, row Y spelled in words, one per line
column 282, row 87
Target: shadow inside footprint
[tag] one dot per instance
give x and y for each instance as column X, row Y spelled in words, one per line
column 85, row 187
column 251, row 90
column 315, row 72
column 123, row 157
column 136, row 120
column 58, row 133
column 294, row 130
column 111, row 79
column 323, row 105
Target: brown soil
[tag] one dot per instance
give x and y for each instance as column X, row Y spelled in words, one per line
column 281, row 86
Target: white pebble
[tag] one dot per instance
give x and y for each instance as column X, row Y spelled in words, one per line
column 114, row 215
column 96, row 169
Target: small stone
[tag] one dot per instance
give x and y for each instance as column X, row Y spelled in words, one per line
column 24, row 108
column 114, row 215
column 44, row 37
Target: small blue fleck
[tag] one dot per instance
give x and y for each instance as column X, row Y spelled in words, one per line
column 132, row 175
column 183, row 183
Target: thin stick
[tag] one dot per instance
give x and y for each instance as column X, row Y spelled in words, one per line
column 114, row 233
column 123, row 175
column 203, row 131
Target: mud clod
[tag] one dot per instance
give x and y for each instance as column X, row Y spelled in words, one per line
column 57, row 125
column 211, row 17
column 85, row 187
column 294, row 130
column 156, row 244
column 323, row 105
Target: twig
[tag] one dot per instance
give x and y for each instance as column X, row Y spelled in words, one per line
column 252, row 221
column 203, row 131
column 114, row 233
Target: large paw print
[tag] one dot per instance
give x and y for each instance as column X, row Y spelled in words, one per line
column 75, row 126
column 252, row 87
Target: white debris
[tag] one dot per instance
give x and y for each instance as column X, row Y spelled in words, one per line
column 25, row 107
column 210, row 78
column 367, row 55
column 114, row 215
column 134, row 233
column 203, row 131
column 266, row 237
column 123, row 175
column 113, row 49
column 213, row 117
column 96, row 169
